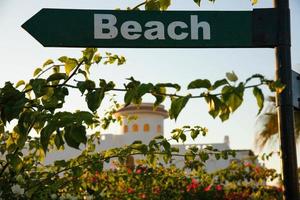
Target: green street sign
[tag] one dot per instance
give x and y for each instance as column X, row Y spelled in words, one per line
column 154, row 29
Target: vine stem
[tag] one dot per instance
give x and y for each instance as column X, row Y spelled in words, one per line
column 139, row 5
column 73, row 73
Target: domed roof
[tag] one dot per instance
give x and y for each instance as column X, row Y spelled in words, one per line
column 143, row 108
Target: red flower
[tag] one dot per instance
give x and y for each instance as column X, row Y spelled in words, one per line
column 219, row 187
column 156, row 190
column 257, row 169
column 94, row 179
column 129, row 171
column 207, row 188
column 279, row 189
column 130, row 190
column 192, row 185
column 142, row 196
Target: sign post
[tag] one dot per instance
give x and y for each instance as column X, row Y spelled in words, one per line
column 284, row 103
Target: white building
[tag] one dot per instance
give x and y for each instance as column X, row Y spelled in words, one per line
column 144, row 123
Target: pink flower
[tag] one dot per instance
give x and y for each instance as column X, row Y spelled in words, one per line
column 138, row 171
column 219, row 187
column 207, row 188
column 247, row 164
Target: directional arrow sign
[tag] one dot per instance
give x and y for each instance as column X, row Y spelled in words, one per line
column 151, row 29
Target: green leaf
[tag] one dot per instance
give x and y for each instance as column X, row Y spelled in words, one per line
column 75, row 135
column 39, row 87
column 214, row 105
column 58, row 140
column 48, row 62
column 174, row 149
column 129, row 96
column 225, row 113
column 164, row 4
column 166, row 145
column 219, row 83
column 224, row 155
column 97, row 58
column 231, row 76
column 141, row 147
column 199, row 83
column 69, row 139
column 276, row 86
column 37, row 71
column 121, row 60
column 12, row 102
column 233, row 97
column 170, row 85
column 157, row 93
column 194, row 134
column 203, row 156
column 86, row 85
column 19, row 83
column 84, row 116
column 259, row 98
column 177, row 105
column 57, row 77
column 70, row 64
column 217, row 156
column 15, row 161
column 152, row 5
column 178, row 134
column 198, row 2
column 63, row 59
column 106, row 86
column 88, row 54
column 258, row 76
column 46, row 133
column 141, row 91
column 94, row 99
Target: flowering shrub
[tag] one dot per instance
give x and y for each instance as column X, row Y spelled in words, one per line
column 39, row 108
column 240, row 181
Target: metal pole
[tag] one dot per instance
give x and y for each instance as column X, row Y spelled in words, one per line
column 284, row 103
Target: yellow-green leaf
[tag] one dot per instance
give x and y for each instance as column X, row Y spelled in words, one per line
column 164, row 4
column 70, row 64
column 97, row 58
column 231, row 76
column 19, row 83
column 197, row 2
column 48, row 62
column 37, row 71
column 259, row 98
column 254, row 2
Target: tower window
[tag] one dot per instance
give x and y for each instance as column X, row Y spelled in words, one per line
column 146, row 128
column 158, row 129
column 135, row 128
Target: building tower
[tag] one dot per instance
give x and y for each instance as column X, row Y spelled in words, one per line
column 142, row 122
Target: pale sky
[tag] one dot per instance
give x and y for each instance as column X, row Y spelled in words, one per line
column 21, row 54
